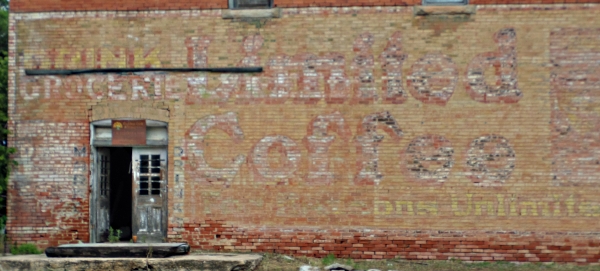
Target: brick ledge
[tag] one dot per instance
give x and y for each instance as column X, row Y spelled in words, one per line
column 251, row 13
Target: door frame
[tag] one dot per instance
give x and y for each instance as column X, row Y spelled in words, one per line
column 98, row 139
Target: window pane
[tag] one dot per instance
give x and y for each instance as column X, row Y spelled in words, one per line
column 155, row 188
column 150, row 166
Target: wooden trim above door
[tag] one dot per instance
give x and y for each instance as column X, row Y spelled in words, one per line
column 125, row 111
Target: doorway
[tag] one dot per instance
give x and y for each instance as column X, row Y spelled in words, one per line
column 115, row 193
column 131, row 192
column 120, row 186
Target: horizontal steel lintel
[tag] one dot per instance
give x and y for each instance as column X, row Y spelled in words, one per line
column 132, row 70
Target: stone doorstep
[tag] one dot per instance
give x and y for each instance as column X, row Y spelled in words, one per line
column 119, row 250
column 193, row 262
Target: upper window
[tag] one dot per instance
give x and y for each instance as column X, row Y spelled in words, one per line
column 445, row 2
column 248, row 4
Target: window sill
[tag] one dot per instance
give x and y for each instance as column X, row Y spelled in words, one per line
column 443, row 10
column 251, row 13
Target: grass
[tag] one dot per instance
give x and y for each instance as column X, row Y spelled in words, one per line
column 275, row 262
column 329, row 259
column 25, row 249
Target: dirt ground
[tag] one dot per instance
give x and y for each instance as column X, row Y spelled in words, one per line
column 275, row 262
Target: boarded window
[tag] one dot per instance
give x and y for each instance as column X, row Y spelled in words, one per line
column 445, row 2
column 248, row 4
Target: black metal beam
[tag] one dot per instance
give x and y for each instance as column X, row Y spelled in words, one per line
column 129, row 70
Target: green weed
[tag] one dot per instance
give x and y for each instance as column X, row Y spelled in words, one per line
column 329, row 259
column 25, row 249
column 112, row 237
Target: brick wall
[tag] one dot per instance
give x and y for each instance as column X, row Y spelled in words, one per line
column 371, row 133
column 48, row 197
column 406, row 244
column 135, row 5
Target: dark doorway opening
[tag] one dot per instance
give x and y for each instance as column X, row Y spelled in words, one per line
column 120, row 187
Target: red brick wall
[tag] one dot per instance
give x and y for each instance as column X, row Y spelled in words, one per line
column 48, row 197
column 61, row 5
column 474, row 136
column 511, row 246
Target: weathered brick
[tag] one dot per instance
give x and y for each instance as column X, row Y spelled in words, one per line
column 371, row 133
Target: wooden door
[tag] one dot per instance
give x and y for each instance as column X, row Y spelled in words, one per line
column 103, row 194
column 149, row 167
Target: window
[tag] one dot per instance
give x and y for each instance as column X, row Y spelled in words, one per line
column 249, row 4
column 445, row 2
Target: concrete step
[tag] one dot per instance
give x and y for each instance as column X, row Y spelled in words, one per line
column 119, row 250
column 191, row 262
